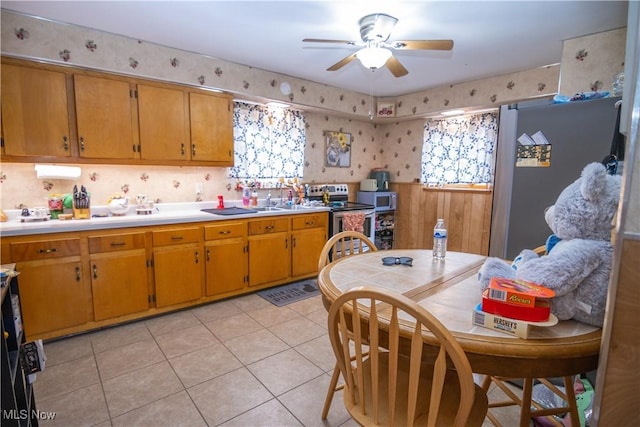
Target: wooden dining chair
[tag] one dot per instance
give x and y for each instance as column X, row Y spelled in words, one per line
column 343, row 244
column 395, row 387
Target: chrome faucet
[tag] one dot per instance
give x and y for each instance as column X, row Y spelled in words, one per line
column 269, row 199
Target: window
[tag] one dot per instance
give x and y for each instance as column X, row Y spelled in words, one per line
column 459, row 149
column 269, row 143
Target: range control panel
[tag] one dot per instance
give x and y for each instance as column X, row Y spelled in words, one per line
column 333, row 189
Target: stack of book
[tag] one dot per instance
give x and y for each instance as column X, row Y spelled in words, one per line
column 513, row 306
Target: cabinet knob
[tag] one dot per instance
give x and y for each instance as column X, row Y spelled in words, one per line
column 47, row 251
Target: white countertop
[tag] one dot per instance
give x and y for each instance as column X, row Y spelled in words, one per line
column 163, row 213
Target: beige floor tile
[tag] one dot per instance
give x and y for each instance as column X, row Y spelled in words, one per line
column 272, row 315
column 181, row 341
column 171, row 322
column 140, row 387
column 202, row 365
column 318, row 350
column 82, row 407
column 250, row 302
column 284, row 371
column 215, row 311
column 177, row 410
column 119, row 336
column 68, row 349
column 228, row 396
column 66, row 377
column 306, row 403
column 233, row 326
column 319, row 317
column 255, row 346
column 308, row 305
column 269, row 414
column 112, row 363
column 297, row 331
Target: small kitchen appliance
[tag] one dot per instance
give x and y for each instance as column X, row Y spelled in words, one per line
column 369, row 184
column 382, row 177
column 381, row 200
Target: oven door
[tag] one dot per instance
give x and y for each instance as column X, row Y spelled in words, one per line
column 369, row 225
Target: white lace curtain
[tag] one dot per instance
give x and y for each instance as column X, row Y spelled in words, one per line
column 269, row 143
column 459, row 149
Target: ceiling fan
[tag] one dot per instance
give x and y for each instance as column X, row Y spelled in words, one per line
column 375, row 30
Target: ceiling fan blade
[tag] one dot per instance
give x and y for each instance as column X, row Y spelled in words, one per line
column 350, row 42
column 342, row 62
column 423, row 44
column 396, row 68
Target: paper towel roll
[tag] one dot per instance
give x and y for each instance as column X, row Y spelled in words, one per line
column 57, row 172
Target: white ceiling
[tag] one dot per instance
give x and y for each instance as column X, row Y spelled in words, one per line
column 490, row 37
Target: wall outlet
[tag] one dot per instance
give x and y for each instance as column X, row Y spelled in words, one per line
column 198, row 188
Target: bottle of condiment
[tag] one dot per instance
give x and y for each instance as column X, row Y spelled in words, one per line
column 439, row 240
column 246, row 195
column 325, row 197
column 254, row 198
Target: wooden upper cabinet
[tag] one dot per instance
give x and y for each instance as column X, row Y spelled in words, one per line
column 104, row 118
column 211, row 128
column 162, row 115
column 35, row 115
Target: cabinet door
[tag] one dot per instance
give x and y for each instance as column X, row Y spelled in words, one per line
column 177, row 273
column 306, row 246
column 52, row 295
column 226, row 267
column 211, row 120
column 104, row 115
column 35, row 115
column 163, row 125
column 269, row 258
column 119, row 283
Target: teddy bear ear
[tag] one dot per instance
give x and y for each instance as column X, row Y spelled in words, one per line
column 594, row 181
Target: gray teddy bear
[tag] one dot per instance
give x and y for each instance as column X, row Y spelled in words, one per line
column 577, row 268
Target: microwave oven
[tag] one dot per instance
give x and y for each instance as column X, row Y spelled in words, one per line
column 381, row 200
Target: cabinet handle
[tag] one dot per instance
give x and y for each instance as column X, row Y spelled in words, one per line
column 177, row 237
column 193, row 149
column 309, row 223
column 293, row 242
column 208, row 255
column 47, row 251
column 269, row 227
column 81, row 144
column 116, row 244
column 224, row 232
column 95, row 271
column 182, row 149
column 133, row 146
column 197, row 257
column 78, row 274
column 286, row 243
column 65, row 143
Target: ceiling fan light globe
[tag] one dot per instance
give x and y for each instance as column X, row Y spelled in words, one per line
column 373, row 57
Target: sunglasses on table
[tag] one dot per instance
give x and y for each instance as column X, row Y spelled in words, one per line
column 398, row 260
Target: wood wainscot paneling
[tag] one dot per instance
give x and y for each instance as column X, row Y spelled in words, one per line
column 466, row 211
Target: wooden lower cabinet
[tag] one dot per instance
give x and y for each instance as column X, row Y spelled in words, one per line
column 177, row 265
column 73, row 282
column 227, row 263
column 308, row 236
column 52, row 294
column 269, row 251
column 52, row 284
column 118, row 275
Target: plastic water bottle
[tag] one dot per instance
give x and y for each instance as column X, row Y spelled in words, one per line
column 439, row 240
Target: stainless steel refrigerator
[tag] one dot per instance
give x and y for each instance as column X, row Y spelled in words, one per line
column 529, row 178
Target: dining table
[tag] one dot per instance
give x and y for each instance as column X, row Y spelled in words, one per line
column 450, row 290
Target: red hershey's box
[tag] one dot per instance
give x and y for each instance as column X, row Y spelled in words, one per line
column 538, row 313
column 517, row 292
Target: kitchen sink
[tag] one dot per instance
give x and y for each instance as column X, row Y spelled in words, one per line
column 267, row 208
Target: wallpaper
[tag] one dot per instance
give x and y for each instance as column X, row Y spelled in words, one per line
column 393, row 144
